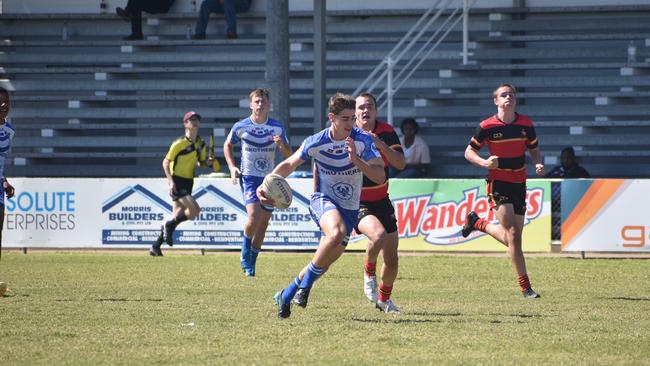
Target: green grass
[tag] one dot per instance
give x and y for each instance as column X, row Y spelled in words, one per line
column 107, row 308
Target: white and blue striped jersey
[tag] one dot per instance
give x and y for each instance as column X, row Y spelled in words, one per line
column 7, row 133
column 336, row 176
column 257, row 145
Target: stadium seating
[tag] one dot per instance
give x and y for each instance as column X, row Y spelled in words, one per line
column 86, row 103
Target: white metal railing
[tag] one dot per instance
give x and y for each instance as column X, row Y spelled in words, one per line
column 390, row 65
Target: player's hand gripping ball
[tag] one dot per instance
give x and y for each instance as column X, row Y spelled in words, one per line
column 276, row 188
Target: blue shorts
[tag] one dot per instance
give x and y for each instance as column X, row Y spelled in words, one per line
column 321, row 203
column 249, row 184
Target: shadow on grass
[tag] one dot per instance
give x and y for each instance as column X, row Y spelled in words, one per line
column 11, row 294
column 626, row 298
column 433, row 315
column 613, row 258
column 523, row 316
column 526, row 315
column 506, row 322
column 427, row 313
column 396, row 320
column 518, row 318
column 122, row 299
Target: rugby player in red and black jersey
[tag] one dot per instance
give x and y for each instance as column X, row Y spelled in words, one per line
column 376, row 213
column 508, row 135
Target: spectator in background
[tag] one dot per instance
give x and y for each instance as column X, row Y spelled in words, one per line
column 416, row 151
column 229, row 8
column 133, row 13
column 569, row 166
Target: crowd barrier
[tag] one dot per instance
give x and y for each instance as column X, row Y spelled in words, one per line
column 597, row 215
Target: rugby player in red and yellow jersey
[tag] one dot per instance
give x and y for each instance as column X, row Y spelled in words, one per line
column 376, row 213
column 508, row 135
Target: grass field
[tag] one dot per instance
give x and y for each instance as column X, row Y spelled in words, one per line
column 116, row 308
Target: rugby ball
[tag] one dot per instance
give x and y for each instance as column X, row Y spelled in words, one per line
column 277, row 189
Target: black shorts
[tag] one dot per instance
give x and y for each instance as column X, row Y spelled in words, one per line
column 183, row 187
column 500, row 192
column 383, row 210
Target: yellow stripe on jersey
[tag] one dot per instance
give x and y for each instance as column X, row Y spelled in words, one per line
column 510, row 170
column 508, row 140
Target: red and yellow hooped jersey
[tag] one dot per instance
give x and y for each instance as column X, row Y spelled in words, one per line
column 372, row 191
column 509, row 142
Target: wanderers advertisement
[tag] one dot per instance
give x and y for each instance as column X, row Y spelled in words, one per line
column 119, row 213
column 430, row 215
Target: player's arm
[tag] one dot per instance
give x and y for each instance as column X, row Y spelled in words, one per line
column 373, row 168
column 230, row 160
column 284, row 169
column 289, row 164
column 204, row 160
column 166, row 168
column 473, row 157
column 9, row 189
column 536, row 154
column 395, row 157
column 285, row 149
column 475, row 144
column 171, row 155
column 168, row 174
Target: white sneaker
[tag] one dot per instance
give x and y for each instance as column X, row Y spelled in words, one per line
column 370, row 287
column 388, row 307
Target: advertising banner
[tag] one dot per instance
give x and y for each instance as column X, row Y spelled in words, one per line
column 51, row 213
column 119, row 213
column 430, row 215
column 113, row 213
column 605, row 215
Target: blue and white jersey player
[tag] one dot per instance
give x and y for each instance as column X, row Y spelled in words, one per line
column 259, row 137
column 338, row 181
column 343, row 154
column 7, row 133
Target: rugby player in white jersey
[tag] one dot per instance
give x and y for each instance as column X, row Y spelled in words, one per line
column 7, row 133
column 343, row 154
column 260, row 137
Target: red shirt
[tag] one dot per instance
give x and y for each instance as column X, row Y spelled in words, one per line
column 372, row 191
column 509, row 142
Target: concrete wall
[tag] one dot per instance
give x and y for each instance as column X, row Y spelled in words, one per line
column 93, row 6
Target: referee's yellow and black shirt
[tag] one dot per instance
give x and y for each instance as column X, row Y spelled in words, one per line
column 184, row 156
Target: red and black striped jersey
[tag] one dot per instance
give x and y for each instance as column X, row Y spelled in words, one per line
column 372, row 191
column 509, row 142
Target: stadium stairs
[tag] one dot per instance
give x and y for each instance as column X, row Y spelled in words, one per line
column 86, row 103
